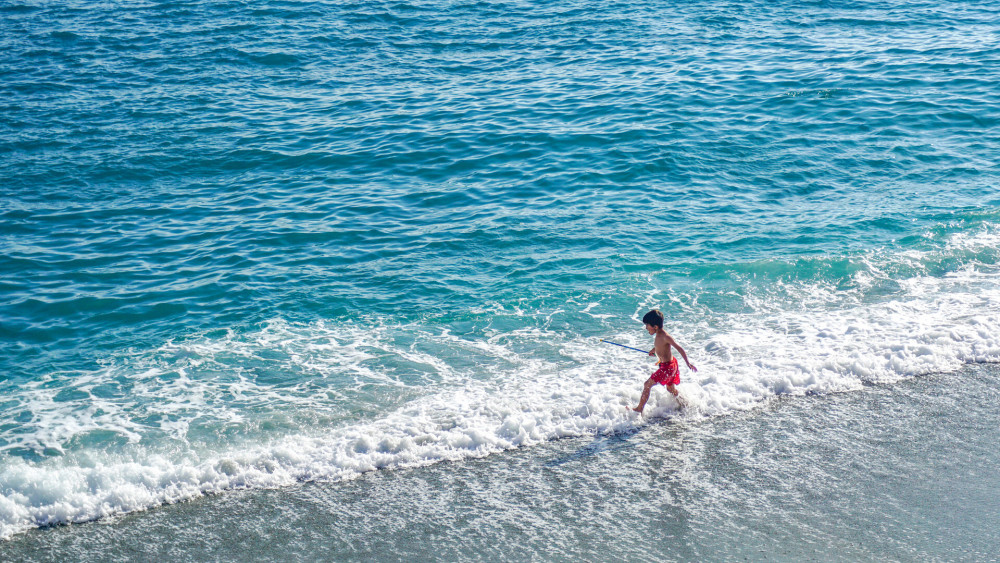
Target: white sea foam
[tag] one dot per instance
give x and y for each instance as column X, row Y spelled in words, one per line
column 214, row 414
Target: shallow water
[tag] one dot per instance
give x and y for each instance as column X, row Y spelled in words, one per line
column 249, row 247
column 903, row 472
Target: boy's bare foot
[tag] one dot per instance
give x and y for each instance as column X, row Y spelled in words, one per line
column 636, row 409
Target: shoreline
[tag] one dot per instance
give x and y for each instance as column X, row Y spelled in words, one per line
column 371, row 516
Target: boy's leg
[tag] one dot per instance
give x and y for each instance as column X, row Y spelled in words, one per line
column 645, row 394
column 677, row 395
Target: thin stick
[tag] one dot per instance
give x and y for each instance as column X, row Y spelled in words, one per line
column 624, row 346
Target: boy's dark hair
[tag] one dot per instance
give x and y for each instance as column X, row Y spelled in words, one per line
column 654, row 318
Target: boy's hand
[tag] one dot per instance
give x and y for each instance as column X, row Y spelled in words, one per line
column 652, row 352
column 691, row 367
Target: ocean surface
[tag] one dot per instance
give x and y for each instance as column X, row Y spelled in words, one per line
column 328, row 280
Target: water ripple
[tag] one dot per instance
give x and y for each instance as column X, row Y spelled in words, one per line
column 163, row 167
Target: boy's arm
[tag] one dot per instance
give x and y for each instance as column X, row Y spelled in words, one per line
column 684, row 355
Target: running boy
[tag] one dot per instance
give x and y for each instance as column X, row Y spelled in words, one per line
column 669, row 374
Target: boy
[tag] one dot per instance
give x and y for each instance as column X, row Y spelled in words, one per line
column 668, row 374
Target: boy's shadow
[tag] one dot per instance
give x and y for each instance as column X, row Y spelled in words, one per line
column 601, row 444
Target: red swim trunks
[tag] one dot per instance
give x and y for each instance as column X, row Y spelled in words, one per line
column 668, row 374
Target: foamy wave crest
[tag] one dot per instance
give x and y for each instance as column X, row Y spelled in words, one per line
column 940, row 325
column 300, row 402
column 875, row 327
column 470, row 422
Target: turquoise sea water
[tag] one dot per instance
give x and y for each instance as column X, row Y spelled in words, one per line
column 261, row 246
